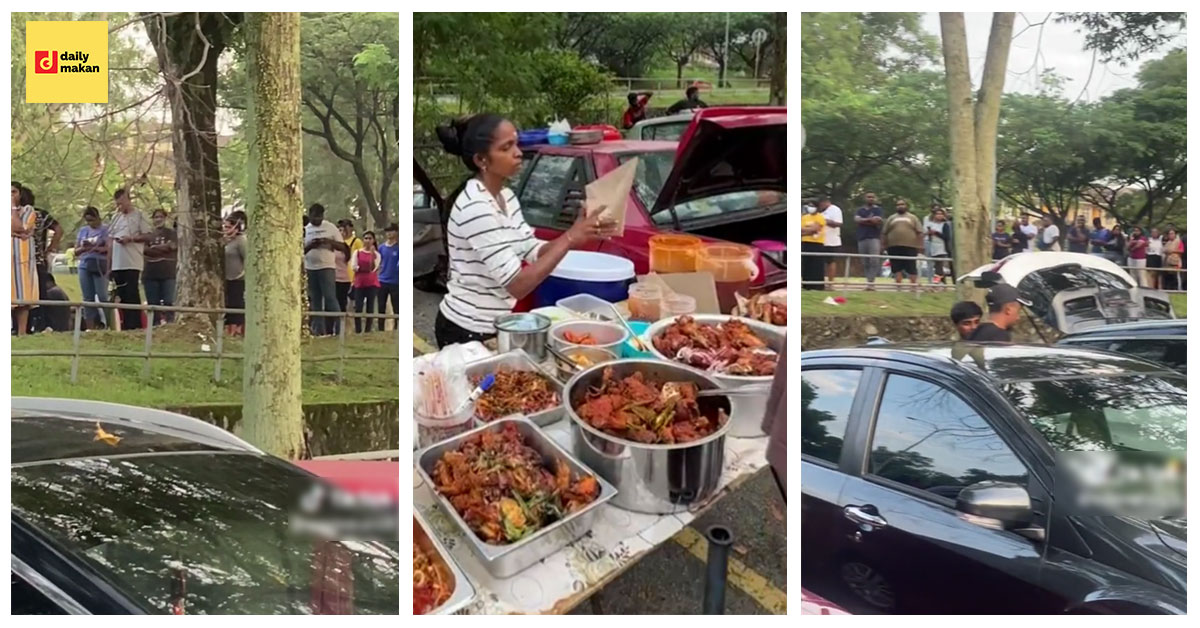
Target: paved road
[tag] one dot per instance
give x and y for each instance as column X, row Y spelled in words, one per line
column 671, row 578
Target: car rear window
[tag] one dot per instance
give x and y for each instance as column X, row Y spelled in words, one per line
column 204, row 534
column 1131, row 413
column 652, row 172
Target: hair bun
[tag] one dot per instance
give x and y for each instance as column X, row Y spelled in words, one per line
column 450, row 135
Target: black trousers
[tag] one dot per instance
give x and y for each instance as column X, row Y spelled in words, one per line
column 127, row 292
column 388, row 292
column 447, row 332
column 364, row 303
column 812, row 267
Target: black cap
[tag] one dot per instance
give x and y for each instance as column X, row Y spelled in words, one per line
column 1001, row 294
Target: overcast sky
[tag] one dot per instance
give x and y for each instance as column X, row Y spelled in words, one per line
column 1061, row 49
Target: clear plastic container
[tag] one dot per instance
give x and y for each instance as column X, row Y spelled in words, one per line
column 645, row 302
column 588, row 305
column 432, row 429
column 733, row 267
column 678, row 305
column 674, row 253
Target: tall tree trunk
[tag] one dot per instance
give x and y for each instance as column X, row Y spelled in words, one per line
column 679, row 63
column 272, row 415
column 973, row 138
column 779, row 67
column 187, row 46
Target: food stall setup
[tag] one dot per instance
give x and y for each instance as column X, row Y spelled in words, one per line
column 548, row 464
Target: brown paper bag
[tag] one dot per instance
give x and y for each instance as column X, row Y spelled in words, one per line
column 612, row 191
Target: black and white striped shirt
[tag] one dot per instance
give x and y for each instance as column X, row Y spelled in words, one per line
column 487, row 245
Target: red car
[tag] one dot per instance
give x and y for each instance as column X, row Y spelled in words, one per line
column 725, row 180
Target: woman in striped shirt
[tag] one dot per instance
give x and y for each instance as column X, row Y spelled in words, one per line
column 495, row 260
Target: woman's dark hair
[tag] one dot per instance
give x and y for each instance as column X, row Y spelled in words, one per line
column 17, row 184
column 468, row 137
column 91, row 211
column 26, row 196
column 237, row 218
column 119, row 193
column 369, row 233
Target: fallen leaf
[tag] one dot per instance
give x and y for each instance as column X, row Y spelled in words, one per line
column 109, row 439
column 741, row 549
column 775, row 511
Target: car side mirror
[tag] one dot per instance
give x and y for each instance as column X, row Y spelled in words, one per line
column 1004, row 502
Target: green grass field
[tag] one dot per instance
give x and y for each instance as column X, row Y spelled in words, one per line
column 881, row 303
column 190, row 381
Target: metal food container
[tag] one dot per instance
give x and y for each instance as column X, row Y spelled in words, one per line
column 526, row 331
column 594, row 354
column 747, row 421
column 463, row 591
column 503, row 561
column 607, row 335
column 519, row 361
column 656, row 479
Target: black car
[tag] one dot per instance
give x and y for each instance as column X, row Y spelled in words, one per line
column 928, row 478
column 1163, row 341
column 121, row 510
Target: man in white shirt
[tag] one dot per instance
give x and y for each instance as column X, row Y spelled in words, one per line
column 833, row 236
column 1030, row 231
column 1050, row 236
column 320, row 265
column 128, row 233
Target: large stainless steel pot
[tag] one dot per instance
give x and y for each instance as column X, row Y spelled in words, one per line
column 658, row 479
column 525, row 331
column 747, row 421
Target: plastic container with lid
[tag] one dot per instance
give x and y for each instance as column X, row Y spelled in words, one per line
column 601, row 275
column 733, row 266
column 587, row 305
column 645, row 302
column 678, row 305
column 674, row 253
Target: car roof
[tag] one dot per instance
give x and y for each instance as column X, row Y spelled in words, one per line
column 611, row 146
column 1169, row 326
column 1017, row 266
column 47, row 430
column 1004, row 363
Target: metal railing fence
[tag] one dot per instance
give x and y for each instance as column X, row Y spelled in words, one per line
column 218, row 354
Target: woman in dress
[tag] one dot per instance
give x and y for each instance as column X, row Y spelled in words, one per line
column 1172, row 260
column 24, row 276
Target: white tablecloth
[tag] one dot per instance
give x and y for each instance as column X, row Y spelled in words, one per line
column 618, row 538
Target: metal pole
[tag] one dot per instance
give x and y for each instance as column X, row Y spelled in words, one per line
column 341, row 350
column 720, row 539
column 78, row 336
column 220, row 346
column 149, row 344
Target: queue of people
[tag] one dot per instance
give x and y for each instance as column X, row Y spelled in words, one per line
column 130, row 259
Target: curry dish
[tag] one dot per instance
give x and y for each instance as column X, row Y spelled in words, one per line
column 646, row 411
column 730, row 348
column 429, row 587
column 502, row 488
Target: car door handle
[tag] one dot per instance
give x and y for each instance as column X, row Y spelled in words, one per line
column 857, row 514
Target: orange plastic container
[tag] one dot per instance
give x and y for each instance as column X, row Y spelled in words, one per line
column 670, row 253
column 733, row 267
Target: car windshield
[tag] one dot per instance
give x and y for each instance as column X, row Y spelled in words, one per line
column 652, row 171
column 1128, row 413
column 203, row 533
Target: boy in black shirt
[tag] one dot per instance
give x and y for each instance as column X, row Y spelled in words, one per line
column 1004, row 309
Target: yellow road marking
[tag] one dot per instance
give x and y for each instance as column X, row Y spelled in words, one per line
column 741, row 576
column 420, row 345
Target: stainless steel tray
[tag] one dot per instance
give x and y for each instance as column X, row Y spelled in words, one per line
column 503, row 561
column 519, row 360
column 463, row 591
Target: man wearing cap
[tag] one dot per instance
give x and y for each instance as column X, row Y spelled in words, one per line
column 1004, row 310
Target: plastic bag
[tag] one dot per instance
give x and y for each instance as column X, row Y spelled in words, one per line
column 440, row 381
column 559, row 127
